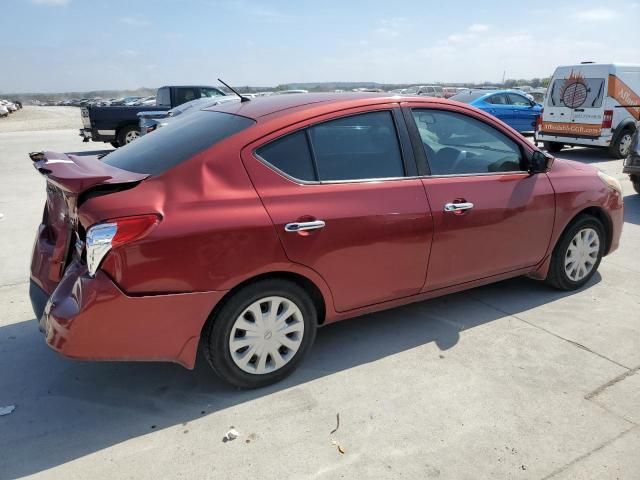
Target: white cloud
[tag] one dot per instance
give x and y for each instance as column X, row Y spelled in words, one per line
column 478, row 28
column 134, row 22
column 391, row 28
column 601, row 14
column 52, row 2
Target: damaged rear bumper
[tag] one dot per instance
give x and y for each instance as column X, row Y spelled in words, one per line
column 92, row 319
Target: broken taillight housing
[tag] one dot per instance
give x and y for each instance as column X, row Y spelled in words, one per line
column 105, row 236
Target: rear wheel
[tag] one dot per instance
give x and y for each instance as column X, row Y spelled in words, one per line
column 620, row 148
column 553, row 147
column 260, row 334
column 128, row 135
column 577, row 254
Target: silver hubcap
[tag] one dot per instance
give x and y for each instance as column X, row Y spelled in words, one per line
column 131, row 136
column 625, row 144
column 266, row 335
column 582, row 254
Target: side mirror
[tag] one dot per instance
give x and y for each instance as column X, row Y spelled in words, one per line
column 540, row 162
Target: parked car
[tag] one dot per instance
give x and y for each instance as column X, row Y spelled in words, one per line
column 512, row 107
column 150, row 121
column 118, row 125
column 427, row 90
column 4, row 111
column 10, row 106
column 632, row 162
column 449, row 92
column 17, row 103
column 582, row 107
column 247, row 225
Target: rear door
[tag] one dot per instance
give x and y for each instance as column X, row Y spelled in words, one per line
column 490, row 216
column 344, row 200
column 500, row 107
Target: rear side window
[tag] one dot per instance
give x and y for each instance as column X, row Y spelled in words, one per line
column 290, row 154
column 516, row 99
column 182, row 138
column 358, row 147
column 163, row 98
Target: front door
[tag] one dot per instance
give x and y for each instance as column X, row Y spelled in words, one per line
column 342, row 204
column 490, row 216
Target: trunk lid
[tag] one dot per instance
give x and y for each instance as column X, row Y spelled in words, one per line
column 69, row 177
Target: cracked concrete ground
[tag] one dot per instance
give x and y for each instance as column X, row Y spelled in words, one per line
column 511, row 380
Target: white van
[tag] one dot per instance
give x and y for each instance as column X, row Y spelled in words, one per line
column 591, row 104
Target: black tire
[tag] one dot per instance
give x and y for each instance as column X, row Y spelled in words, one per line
column 557, row 276
column 553, row 147
column 114, row 144
column 217, row 331
column 635, row 180
column 621, row 147
column 126, row 133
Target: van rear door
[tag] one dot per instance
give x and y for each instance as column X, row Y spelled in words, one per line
column 574, row 105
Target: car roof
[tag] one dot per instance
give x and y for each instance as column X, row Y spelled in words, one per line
column 282, row 104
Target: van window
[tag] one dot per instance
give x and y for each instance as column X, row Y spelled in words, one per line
column 163, row 98
column 576, row 92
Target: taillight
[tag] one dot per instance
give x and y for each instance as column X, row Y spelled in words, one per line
column 539, row 120
column 607, row 119
column 103, row 237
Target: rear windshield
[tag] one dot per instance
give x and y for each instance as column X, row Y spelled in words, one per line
column 468, row 97
column 185, row 136
column 577, row 92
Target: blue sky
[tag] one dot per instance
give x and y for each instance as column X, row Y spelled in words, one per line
column 64, row 45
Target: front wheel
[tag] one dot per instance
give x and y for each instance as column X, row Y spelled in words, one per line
column 260, row 334
column 635, row 180
column 577, row 254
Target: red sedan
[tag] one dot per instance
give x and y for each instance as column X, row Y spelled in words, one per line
column 246, row 226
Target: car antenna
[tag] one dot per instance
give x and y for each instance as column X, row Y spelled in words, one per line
column 242, row 99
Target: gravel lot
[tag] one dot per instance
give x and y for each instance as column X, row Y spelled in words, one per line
column 32, row 118
column 511, row 380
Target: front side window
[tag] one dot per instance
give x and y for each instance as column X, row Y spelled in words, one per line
column 498, row 99
column 456, row 144
column 358, row 147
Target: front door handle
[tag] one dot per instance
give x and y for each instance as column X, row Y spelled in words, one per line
column 458, row 207
column 302, row 226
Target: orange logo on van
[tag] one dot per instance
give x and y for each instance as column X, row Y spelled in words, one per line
column 624, row 96
column 574, row 90
column 582, row 129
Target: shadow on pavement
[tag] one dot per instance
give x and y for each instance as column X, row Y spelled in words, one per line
column 68, row 409
column 586, row 155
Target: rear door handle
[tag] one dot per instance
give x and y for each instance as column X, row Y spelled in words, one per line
column 302, row 226
column 458, row 207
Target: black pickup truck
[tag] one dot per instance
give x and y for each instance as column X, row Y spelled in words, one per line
column 119, row 125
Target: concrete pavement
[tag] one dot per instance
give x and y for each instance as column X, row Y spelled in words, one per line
column 511, row 380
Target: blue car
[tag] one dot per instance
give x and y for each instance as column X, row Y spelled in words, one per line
column 510, row 106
